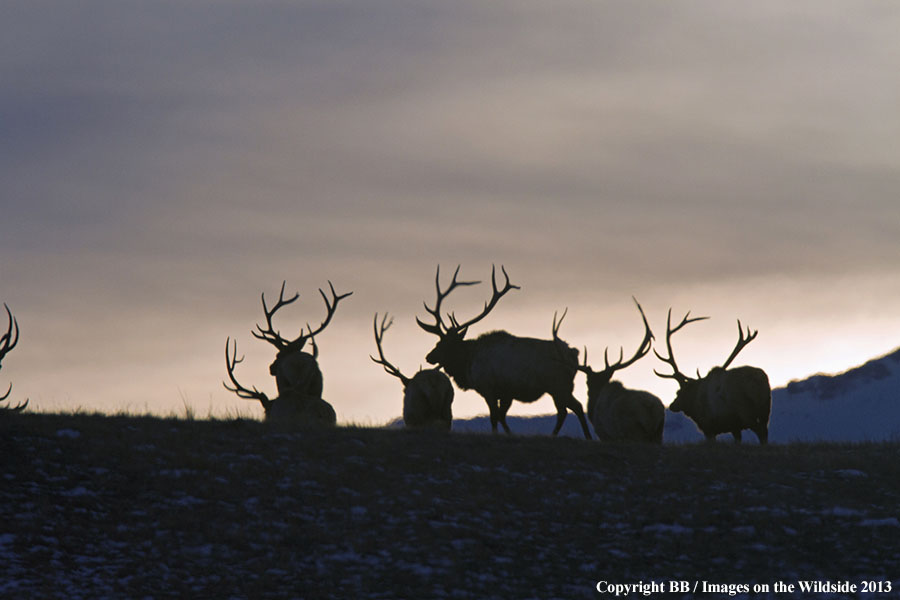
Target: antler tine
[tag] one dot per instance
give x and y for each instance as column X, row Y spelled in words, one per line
column 742, row 341
column 242, row 392
column 17, row 407
column 439, row 328
column 330, row 307
column 9, row 339
column 379, row 337
column 556, row 325
column 495, row 297
column 670, row 360
column 642, row 350
column 312, row 341
column 566, row 354
column 270, row 334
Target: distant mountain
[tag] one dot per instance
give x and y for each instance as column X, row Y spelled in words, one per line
column 861, row 404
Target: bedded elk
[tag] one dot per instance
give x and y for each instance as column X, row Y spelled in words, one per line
column 725, row 400
column 297, row 374
column 290, row 407
column 427, row 396
column 616, row 412
column 8, row 341
column 499, row 366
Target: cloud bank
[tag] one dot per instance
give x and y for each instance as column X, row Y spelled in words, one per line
column 163, row 164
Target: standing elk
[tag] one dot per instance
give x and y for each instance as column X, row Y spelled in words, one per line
column 8, row 341
column 499, row 366
column 297, row 374
column 616, row 412
column 725, row 400
column 427, row 396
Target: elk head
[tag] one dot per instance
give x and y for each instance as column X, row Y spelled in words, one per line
column 294, row 369
column 8, row 341
column 452, row 335
column 597, row 380
column 688, row 387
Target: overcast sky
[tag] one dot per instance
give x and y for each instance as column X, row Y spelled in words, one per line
column 162, row 164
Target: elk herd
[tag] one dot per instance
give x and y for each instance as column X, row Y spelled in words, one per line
column 501, row 368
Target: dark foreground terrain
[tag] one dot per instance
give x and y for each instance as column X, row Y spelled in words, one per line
column 116, row 507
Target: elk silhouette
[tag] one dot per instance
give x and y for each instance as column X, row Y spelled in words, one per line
column 427, row 396
column 616, row 412
column 8, row 341
column 499, row 366
column 297, row 374
column 725, row 400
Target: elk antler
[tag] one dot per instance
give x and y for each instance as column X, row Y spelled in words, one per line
column 274, row 337
column 330, row 307
column 488, row 306
column 379, row 337
column 8, row 341
column 676, row 374
column 642, row 350
column 439, row 328
column 557, row 325
column 566, row 355
column 742, row 341
column 270, row 334
column 241, row 391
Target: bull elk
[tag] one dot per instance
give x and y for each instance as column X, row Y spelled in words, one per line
column 297, row 374
column 291, row 406
column 725, row 400
column 616, row 412
column 427, row 395
column 499, row 366
column 8, row 341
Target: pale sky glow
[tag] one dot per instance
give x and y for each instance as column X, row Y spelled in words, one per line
column 164, row 163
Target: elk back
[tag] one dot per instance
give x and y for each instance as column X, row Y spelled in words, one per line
column 506, row 366
column 731, row 400
column 294, row 409
column 620, row 414
column 427, row 400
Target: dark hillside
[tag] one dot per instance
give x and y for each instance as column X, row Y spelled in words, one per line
column 114, row 507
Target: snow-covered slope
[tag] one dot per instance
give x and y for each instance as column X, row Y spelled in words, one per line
column 862, row 404
column 858, row 405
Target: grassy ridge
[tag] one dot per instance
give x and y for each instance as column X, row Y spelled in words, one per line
column 97, row 506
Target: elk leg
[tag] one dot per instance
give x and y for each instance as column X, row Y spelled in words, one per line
column 493, row 409
column 763, row 434
column 505, row 403
column 561, row 414
column 497, row 414
column 574, row 405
